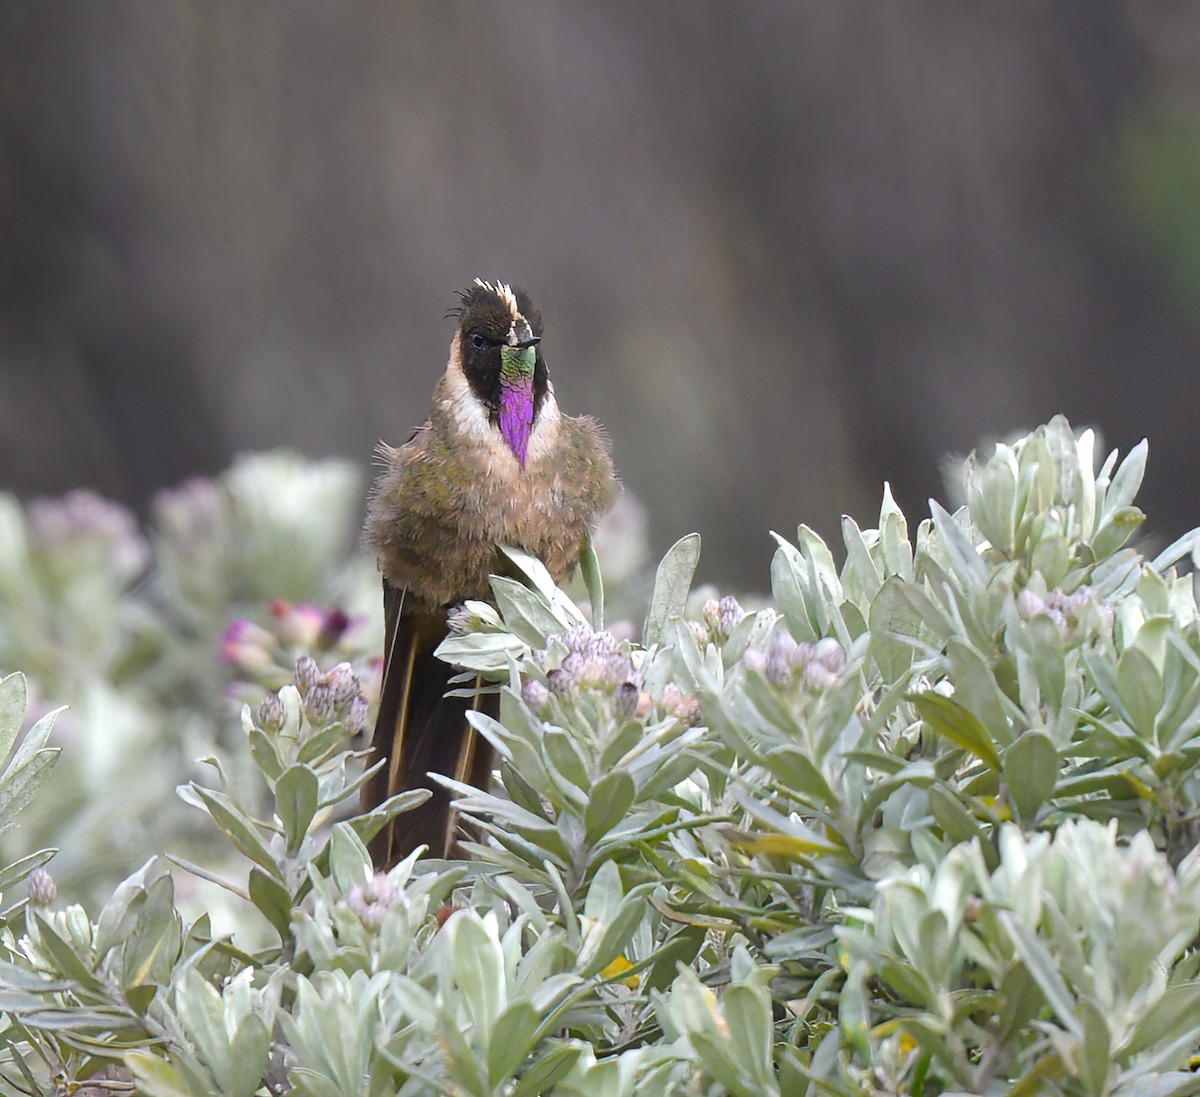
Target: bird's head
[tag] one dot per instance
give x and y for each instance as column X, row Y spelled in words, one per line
column 499, row 332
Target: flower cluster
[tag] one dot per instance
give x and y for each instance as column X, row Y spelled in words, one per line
column 722, row 617
column 371, row 901
column 683, row 706
column 1065, row 610
column 336, row 695
column 783, row 662
column 84, row 530
column 251, row 648
column 193, row 515
column 592, row 662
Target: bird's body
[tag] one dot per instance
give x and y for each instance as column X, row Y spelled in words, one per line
column 495, row 463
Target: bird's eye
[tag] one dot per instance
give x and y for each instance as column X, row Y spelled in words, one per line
column 478, row 342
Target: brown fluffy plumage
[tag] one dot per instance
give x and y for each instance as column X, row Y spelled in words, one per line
column 441, row 505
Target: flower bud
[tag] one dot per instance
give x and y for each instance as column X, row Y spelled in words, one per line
column 307, row 673
column 729, row 614
column 536, row 696
column 342, row 683
column 459, row 621
column 320, row 706
column 828, row 652
column 271, row 712
column 356, row 715
column 42, row 888
column 626, row 700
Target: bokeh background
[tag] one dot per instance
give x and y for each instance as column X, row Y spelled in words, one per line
column 785, row 250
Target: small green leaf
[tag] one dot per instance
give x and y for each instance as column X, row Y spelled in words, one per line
column 19, row 869
column 608, row 803
column 63, row 956
column 1141, row 689
column 349, row 860
column 964, row 557
column 547, row 1070
column 956, row 822
column 593, row 581
column 896, row 629
column 800, row 775
column 1030, row 771
column 296, row 794
column 859, row 559
column 948, row 718
column 263, row 751
column 511, row 1041
column 1125, row 484
column 526, row 613
column 13, row 698
column 1116, row 531
column 747, row 1012
column 237, row 826
column 1041, row 966
column 140, row 997
column 478, row 963
column 272, row 900
column 672, row 582
column 1096, row 1060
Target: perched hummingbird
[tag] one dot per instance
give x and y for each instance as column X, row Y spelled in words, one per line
column 495, row 463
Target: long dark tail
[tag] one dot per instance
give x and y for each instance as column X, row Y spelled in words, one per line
column 420, row 731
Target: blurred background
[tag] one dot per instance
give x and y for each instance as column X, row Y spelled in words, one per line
column 784, row 251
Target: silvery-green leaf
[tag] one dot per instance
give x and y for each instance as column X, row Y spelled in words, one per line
column 547, row 1069
column 489, row 652
column 478, row 964
column 511, row 1041
column 33, row 744
column 349, row 861
column 859, row 559
column 296, row 803
column 948, row 718
column 22, row 867
column 535, row 571
column 1118, row 528
column 896, row 630
column 1141, row 690
column 237, row 826
column 527, row 613
column 672, row 581
column 13, row 696
column 747, row 1013
column 1095, row 1059
column 893, row 537
column 593, row 581
column 1030, row 771
column 1040, row 965
column 976, row 689
column 1124, row 487
column 608, row 803
column 272, row 900
column 964, row 557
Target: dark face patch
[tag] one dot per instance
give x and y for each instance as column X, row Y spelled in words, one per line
column 484, row 319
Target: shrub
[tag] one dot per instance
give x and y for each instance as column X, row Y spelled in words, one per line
column 925, row 825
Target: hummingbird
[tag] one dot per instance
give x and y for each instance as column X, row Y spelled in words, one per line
column 496, row 463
